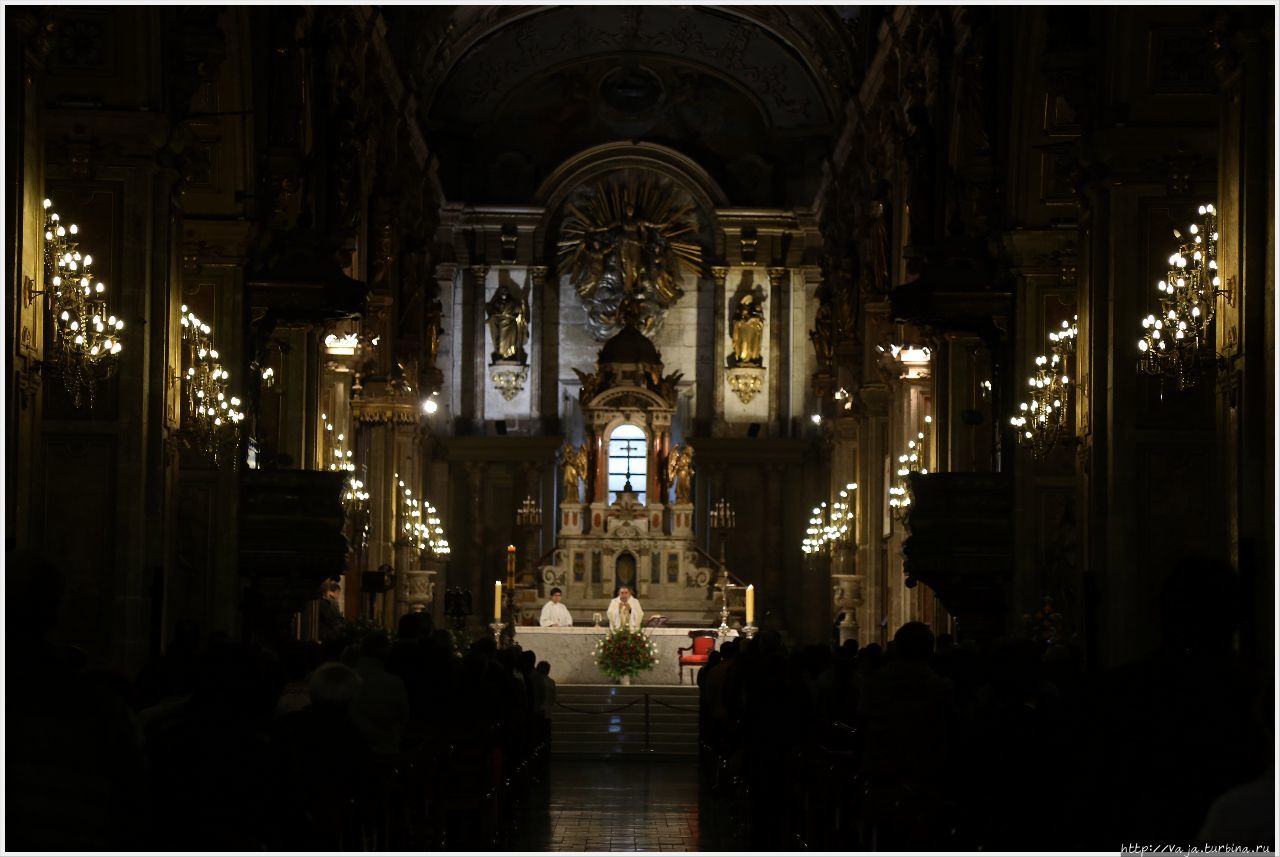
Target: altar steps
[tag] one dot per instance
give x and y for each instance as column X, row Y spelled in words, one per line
column 604, row 721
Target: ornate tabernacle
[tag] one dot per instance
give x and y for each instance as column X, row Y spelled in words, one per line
column 634, row 527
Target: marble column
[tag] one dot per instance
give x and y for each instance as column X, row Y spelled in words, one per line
column 533, row 288
column 719, row 274
column 1246, row 313
column 778, row 381
column 473, row 352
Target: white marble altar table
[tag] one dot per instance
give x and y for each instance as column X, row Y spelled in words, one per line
column 571, row 653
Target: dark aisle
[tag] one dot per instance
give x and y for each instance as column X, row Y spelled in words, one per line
column 626, row 805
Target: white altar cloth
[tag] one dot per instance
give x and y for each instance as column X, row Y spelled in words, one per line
column 571, row 653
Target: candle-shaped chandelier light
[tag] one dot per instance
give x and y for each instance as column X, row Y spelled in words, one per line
column 355, row 496
column 1043, row 417
column 213, row 414
column 355, row 500
column 830, row 527
column 1176, row 341
column 529, row 514
column 340, row 456
column 723, row 516
column 86, row 336
column 419, row 525
column 913, row 460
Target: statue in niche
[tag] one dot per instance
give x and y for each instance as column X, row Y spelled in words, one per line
column 823, row 334
column 574, row 461
column 435, row 313
column 624, row 250
column 876, row 249
column 680, row 472
column 508, row 324
column 846, row 305
column 747, row 331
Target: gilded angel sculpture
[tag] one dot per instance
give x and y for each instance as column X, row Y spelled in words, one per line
column 574, row 461
column 624, row 251
column 680, row 472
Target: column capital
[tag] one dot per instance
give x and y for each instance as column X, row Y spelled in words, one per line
column 444, row 271
column 812, row 275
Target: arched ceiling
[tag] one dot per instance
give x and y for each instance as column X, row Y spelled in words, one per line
column 506, row 94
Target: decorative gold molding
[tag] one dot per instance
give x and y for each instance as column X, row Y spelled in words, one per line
column 746, row 382
column 373, row 412
column 508, row 378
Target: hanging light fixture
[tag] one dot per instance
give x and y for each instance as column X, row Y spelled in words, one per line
column 420, row 526
column 830, row 527
column 341, row 456
column 355, row 495
column 913, row 460
column 1175, row 341
column 355, row 501
column 213, row 414
column 86, row 336
column 1043, row 417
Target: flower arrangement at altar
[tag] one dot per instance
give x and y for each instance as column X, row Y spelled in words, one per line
column 624, row 653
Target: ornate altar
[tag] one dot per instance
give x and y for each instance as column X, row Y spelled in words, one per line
column 633, row 523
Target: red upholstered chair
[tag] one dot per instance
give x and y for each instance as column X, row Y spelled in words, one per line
column 701, row 644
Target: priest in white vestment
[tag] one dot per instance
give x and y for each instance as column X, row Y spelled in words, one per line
column 625, row 610
column 555, row 614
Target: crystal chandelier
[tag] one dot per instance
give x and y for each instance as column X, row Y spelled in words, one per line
column 1174, row 341
column 1044, row 417
column 213, row 414
column 830, row 528
column 911, row 461
column 420, row 526
column 86, row 337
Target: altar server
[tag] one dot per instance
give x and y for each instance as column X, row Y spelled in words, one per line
column 555, row 614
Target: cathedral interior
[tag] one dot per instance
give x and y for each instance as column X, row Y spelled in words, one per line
column 827, row 329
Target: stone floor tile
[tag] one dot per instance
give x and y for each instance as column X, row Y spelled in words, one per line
column 631, row 805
